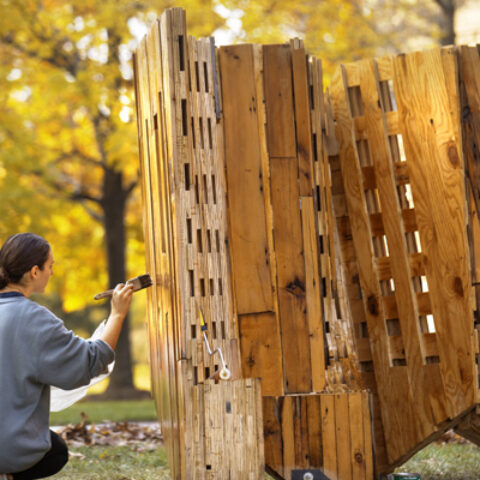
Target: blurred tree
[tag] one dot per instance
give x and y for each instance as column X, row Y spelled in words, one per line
column 347, row 30
column 68, row 141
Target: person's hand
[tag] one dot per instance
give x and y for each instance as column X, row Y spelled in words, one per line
column 121, row 299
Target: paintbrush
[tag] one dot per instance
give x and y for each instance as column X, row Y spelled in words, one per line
column 142, row 281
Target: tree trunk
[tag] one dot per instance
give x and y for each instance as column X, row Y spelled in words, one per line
column 113, row 203
column 448, row 7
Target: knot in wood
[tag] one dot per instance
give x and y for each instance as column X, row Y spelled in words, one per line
column 358, row 457
column 458, row 286
column 296, row 288
column 453, row 154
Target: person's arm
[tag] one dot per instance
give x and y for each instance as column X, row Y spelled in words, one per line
column 121, row 298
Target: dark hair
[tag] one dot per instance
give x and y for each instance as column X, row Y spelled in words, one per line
column 19, row 254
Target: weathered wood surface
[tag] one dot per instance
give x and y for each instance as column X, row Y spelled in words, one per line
column 353, row 228
column 181, row 150
column 327, row 431
column 392, row 112
column 423, row 87
column 276, row 179
column 276, row 94
column 248, row 233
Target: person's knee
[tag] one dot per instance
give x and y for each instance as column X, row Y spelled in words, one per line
column 59, row 452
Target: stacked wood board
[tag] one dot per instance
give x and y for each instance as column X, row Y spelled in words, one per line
column 210, row 429
column 330, row 432
column 400, row 202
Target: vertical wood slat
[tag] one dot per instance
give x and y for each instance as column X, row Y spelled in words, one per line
column 167, row 403
column 303, row 129
column 313, row 294
column 279, row 102
column 428, row 99
column 290, row 274
column 470, row 107
column 327, row 403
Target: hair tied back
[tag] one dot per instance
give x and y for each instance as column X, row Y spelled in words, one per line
column 3, row 277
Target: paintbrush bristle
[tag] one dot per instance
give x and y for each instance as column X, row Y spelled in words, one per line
column 142, row 281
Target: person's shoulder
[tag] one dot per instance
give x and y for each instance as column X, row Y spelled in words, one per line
column 40, row 312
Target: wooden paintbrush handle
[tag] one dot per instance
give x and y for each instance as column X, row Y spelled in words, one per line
column 105, row 294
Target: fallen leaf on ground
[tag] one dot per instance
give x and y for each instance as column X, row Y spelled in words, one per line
column 112, row 434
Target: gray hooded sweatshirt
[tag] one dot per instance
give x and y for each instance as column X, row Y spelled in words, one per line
column 36, row 351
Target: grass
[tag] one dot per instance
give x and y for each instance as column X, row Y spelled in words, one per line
column 98, row 412
column 435, row 462
column 115, row 463
column 142, row 462
column 445, row 462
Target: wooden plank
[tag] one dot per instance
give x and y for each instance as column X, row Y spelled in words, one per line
column 313, row 294
column 279, row 101
column 261, row 351
column 198, row 411
column 260, row 443
column 392, row 126
column 291, row 274
column 300, row 425
column 329, row 440
column 262, row 121
column 470, row 89
column 168, row 27
column 358, row 450
column 417, row 266
column 390, row 305
column 227, row 424
column 315, row 446
column 168, row 396
column 470, row 103
column 272, row 435
column 288, row 434
column 248, row 235
column 376, row 223
column 428, row 133
column 396, row 347
column 367, row 439
column 401, row 175
column 303, row 127
column 342, row 437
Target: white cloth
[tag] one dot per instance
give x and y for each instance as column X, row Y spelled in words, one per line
column 62, row 399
